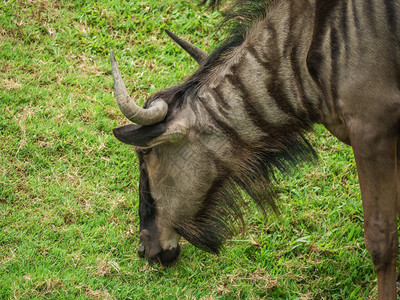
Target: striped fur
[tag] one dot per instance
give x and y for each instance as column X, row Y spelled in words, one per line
column 296, row 63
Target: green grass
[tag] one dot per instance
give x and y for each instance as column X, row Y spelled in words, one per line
column 69, row 190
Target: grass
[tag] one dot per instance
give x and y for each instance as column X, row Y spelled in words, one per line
column 69, row 190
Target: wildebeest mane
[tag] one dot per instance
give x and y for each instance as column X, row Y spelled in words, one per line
column 238, row 16
column 223, row 208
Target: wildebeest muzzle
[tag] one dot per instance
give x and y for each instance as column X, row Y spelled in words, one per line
column 151, row 249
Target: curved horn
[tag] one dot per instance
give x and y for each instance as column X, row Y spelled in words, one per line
column 199, row 55
column 155, row 113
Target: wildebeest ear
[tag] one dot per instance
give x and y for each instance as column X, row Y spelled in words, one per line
column 149, row 136
column 139, row 135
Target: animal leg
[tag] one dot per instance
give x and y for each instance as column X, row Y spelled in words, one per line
column 398, row 177
column 398, row 197
column 375, row 153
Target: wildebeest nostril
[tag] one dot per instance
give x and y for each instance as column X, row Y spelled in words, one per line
column 149, row 245
column 144, row 235
column 141, row 250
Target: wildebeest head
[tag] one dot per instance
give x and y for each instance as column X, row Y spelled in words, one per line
column 192, row 164
column 176, row 172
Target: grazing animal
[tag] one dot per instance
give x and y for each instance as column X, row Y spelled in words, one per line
column 243, row 113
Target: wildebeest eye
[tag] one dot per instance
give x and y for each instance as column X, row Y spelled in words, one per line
column 145, row 151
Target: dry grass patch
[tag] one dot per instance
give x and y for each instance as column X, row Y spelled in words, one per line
column 10, row 84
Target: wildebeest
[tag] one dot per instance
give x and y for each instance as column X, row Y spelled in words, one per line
column 243, row 113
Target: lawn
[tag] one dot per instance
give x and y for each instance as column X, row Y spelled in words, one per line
column 69, row 189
